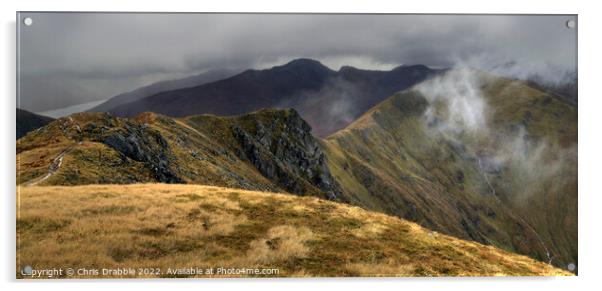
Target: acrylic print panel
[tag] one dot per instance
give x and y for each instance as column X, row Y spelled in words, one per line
column 296, row 145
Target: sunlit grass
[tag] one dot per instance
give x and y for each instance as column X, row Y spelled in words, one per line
column 178, row 226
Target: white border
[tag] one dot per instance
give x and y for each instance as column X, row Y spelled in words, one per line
column 590, row 110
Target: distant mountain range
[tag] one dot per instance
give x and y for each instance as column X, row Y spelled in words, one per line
column 162, row 86
column 328, row 100
column 28, row 121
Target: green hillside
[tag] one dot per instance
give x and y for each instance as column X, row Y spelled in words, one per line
column 512, row 183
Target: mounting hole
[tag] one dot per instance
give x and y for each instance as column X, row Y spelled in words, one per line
column 28, row 21
column 27, row 270
column 571, row 267
column 571, row 24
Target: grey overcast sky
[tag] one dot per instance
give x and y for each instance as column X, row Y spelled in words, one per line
column 73, row 58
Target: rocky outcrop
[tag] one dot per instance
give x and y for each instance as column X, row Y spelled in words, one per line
column 284, row 150
column 143, row 145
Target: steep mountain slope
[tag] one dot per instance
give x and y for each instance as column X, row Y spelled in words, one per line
column 266, row 150
column 28, row 121
column 492, row 161
column 162, row 86
column 176, row 227
column 327, row 99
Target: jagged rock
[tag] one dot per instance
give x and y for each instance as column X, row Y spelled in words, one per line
column 285, row 151
column 144, row 145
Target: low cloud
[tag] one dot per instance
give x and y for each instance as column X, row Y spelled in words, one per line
column 457, row 104
column 109, row 53
column 334, row 106
column 459, row 111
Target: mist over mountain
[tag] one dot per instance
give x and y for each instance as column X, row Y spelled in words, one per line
column 567, row 89
column 557, row 80
column 328, row 100
column 470, row 154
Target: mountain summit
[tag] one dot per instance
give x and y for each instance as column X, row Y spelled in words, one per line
column 328, row 100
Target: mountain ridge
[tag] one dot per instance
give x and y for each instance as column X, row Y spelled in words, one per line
column 304, row 84
column 264, row 150
column 157, row 87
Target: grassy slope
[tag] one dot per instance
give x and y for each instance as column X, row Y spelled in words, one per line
column 102, row 164
column 159, row 225
column 202, row 150
column 549, row 205
column 443, row 187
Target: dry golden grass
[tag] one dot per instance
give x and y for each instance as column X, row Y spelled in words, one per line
column 179, row 226
column 281, row 243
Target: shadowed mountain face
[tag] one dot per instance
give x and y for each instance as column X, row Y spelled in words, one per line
column 27, row 121
column 328, row 100
column 162, row 86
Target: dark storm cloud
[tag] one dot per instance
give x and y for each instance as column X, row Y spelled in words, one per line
column 76, row 58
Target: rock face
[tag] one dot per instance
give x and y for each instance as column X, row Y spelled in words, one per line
column 131, row 140
column 144, row 145
column 285, row 151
